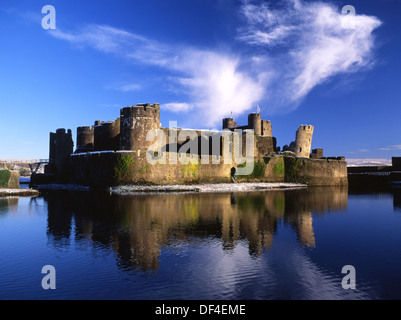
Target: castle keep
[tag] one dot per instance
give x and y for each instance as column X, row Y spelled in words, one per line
column 118, row 152
column 127, row 132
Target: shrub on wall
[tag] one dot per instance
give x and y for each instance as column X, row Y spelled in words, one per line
column 123, row 168
column 4, row 178
column 292, row 174
column 279, row 168
column 258, row 170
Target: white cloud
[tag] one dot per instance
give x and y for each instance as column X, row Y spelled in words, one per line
column 116, row 41
column 176, row 106
column 213, row 82
column 130, row 87
column 314, row 45
column 392, row 147
column 298, row 45
column 217, row 86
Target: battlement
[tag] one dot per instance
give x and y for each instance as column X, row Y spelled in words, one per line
column 62, row 131
column 255, row 123
column 306, row 128
column 141, row 110
column 85, row 129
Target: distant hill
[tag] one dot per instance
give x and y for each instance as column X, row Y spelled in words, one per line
column 368, row 162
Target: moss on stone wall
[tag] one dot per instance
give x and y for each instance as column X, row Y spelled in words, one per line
column 145, row 169
column 190, row 170
column 123, row 168
column 279, row 168
column 315, row 172
column 258, row 170
column 4, row 178
column 291, row 167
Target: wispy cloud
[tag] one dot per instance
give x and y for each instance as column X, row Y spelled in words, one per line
column 298, row 45
column 213, row 83
column 130, row 87
column 314, row 45
column 26, row 16
column 115, row 41
column 177, row 106
column 392, row 147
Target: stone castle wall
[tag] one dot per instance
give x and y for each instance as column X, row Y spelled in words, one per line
column 132, row 167
column 316, row 172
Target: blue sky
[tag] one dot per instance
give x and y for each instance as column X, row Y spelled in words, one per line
column 202, row 60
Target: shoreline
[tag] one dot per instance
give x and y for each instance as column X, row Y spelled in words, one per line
column 194, row 188
column 19, row 192
column 206, row 188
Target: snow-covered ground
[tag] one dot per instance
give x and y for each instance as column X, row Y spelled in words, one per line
column 203, row 188
column 18, row 192
column 196, row 188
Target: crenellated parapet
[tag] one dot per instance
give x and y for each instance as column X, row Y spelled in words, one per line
column 255, row 123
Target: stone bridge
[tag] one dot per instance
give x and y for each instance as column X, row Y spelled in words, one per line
column 34, row 164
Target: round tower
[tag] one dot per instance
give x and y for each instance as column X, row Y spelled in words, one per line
column 255, row 122
column 136, row 121
column 85, row 139
column 303, row 141
column 229, row 123
column 107, row 136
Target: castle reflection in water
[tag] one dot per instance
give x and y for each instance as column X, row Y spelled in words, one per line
column 137, row 227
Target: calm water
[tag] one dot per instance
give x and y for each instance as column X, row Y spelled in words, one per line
column 267, row 245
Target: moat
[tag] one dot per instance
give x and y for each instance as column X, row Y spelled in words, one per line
column 281, row 244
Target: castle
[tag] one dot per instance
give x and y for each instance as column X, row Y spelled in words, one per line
column 101, row 148
column 128, row 132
